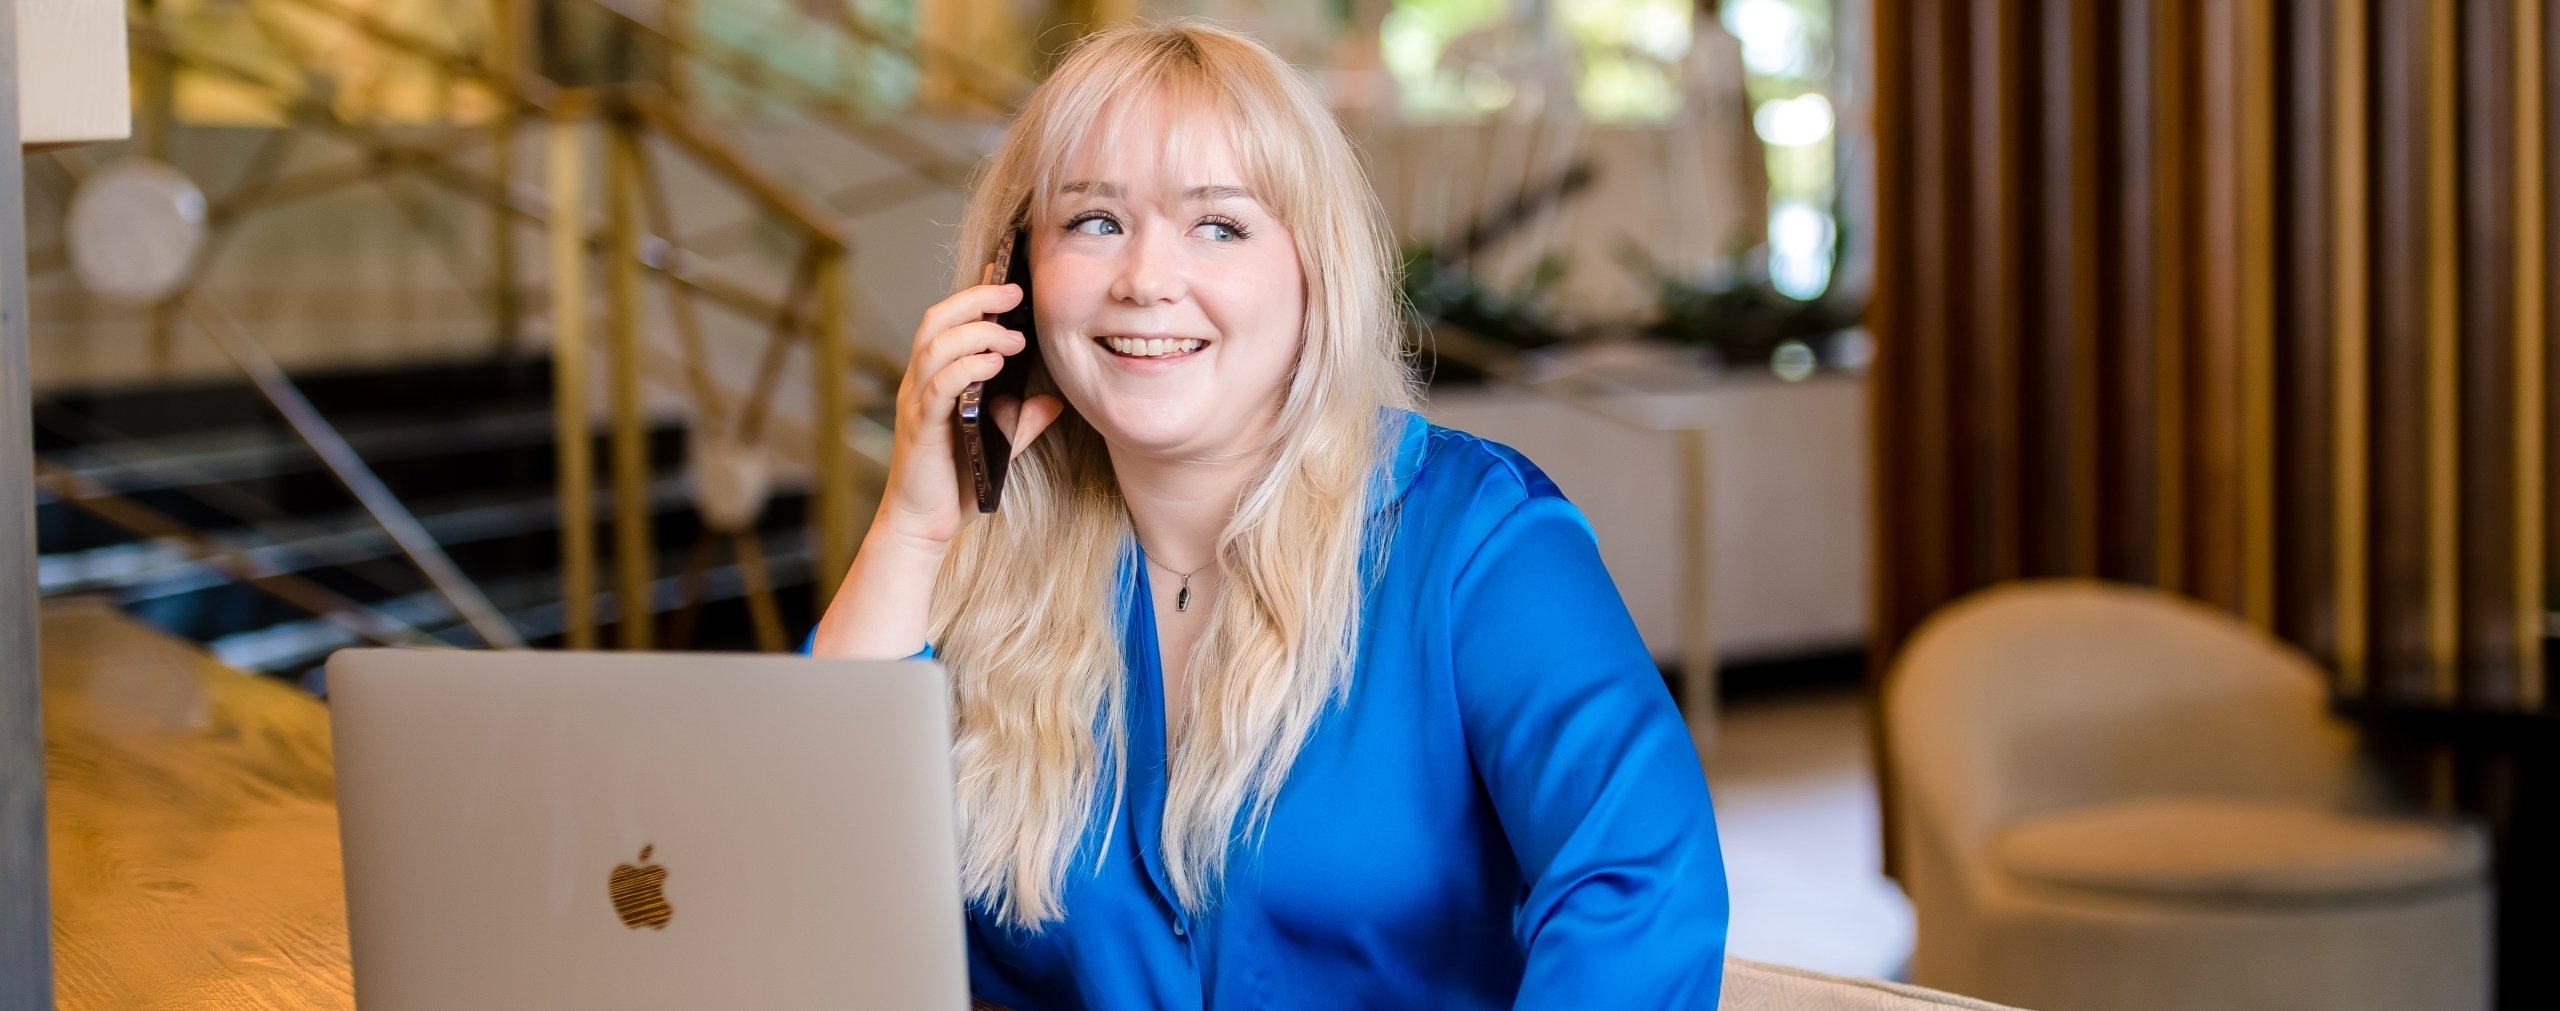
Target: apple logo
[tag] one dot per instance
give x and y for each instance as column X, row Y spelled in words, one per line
column 639, row 894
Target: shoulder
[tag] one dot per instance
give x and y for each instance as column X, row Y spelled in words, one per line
column 1462, row 469
column 1467, row 493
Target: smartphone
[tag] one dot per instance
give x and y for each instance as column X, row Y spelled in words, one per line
column 981, row 451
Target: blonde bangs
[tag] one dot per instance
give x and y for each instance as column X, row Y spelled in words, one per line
column 1176, row 104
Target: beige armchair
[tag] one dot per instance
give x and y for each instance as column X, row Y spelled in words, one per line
column 2114, row 799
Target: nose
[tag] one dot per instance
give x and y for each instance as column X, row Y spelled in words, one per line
column 1149, row 273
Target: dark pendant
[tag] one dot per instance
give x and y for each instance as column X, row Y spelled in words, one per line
column 1182, row 600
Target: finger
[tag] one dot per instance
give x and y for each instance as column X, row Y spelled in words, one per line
column 933, row 385
column 1024, row 420
column 965, row 305
column 944, row 389
column 960, row 342
column 968, row 339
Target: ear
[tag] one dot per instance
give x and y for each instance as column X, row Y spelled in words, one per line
column 1024, row 420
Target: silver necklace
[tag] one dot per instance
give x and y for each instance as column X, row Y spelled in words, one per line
column 1182, row 599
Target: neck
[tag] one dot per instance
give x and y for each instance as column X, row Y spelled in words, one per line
column 1179, row 506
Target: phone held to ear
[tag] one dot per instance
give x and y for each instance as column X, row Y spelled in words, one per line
column 981, row 451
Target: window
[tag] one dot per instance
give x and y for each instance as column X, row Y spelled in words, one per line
column 1787, row 63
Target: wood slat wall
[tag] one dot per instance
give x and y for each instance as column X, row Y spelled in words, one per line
column 2247, row 299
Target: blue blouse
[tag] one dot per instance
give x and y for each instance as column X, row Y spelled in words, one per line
column 1506, row 811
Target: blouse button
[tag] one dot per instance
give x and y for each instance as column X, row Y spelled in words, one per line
column 1177, row 928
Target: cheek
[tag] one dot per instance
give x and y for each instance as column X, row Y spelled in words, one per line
column 1060, row 296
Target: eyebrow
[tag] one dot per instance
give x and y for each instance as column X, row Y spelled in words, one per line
column 1112, row 191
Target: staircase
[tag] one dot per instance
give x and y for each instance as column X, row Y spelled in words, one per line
column 468, row 447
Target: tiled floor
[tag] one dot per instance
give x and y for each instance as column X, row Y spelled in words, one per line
column 1796, row 807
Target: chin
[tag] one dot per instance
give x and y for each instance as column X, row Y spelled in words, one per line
column 1150, row 428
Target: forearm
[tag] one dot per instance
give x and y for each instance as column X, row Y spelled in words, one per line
column 883, row 608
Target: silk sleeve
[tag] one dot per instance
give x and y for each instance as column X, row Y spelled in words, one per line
column 1591, row 771
column 809, row 647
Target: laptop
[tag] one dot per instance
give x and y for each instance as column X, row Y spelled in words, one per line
column 646, row 830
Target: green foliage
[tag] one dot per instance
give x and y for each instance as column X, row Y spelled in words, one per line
column 1737, row 312
column 1445, row 292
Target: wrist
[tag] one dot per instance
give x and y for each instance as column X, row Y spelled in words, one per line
column 890, row 535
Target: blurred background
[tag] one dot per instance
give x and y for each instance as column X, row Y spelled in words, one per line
column 2081, row 466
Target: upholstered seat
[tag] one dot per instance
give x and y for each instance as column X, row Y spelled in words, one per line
column 2213, row 849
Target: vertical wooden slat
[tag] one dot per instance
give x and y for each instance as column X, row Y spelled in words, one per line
column 2066, row 466
column 1891, row 388
column 2485, row 341
column 2550, row 471
column 2047, row 340
column 2531, row 344
column 2350, row 69
column 2217, row 406
column 2088, row 320
column 2443, row 361
column 2254, row 66
column 1994, row 264
column 2170, row 123
column 1915, row 351
column 2133, row 476
column 1889, row 318
column 2398, row 580
column 2306, row 368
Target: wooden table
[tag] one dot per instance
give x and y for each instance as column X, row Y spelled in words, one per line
column 193, row 825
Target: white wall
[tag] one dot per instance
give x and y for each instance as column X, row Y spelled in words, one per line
column 1787, row 503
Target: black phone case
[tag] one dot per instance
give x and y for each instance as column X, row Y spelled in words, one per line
column 982, row 452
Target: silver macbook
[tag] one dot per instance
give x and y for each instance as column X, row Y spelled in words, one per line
column 646, row 830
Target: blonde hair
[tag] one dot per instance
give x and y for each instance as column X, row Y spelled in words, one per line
column 1026, row 613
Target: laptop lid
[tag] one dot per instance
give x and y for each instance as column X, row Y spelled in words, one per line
column 646, row 830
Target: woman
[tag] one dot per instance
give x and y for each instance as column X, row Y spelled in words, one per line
column 1270, row 693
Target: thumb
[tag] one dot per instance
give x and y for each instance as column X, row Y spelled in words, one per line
column 1024, row 420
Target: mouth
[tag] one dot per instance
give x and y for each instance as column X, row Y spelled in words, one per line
column 1151, row 348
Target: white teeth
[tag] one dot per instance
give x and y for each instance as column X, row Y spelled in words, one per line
column 1153, row 347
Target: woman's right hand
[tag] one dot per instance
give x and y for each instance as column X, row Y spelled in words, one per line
column 954, row 346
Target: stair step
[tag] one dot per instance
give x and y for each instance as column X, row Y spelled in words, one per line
column 344, row 538
column 289, row 478
column 530, row 604
column 342, row 395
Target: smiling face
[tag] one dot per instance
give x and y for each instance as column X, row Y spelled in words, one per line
column 1170, row 310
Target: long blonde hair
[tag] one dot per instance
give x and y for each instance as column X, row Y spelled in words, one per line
column 1026, row 615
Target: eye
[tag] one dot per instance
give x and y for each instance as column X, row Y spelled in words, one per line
column 1226, row 229
column 1078, row 225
